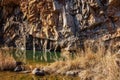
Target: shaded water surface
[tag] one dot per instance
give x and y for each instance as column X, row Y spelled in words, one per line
column 38, row 57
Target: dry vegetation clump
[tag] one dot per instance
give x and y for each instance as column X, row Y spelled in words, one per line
column 7, row 62
column 91, row 66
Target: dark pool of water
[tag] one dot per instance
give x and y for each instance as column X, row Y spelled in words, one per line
column 38, row 57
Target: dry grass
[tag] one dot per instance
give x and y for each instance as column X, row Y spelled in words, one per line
column 6, row 61
column 101, row 65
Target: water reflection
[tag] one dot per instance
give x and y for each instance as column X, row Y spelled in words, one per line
column 38, row 56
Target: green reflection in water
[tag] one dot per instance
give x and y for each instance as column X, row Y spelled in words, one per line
column 39, row 57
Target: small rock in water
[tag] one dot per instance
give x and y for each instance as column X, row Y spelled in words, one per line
column 38, row 72
column 35, row 70
column 18, row 69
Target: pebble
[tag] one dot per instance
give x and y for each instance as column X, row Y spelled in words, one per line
column 72, row 73
column 38, row 72
column 18, row 69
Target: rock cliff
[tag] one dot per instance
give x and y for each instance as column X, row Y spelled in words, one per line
column 60, row 24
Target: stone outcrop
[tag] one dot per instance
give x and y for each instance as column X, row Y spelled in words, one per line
column 64, row 23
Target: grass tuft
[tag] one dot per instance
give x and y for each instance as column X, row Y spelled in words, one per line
column 101, row 65
column 7, row 62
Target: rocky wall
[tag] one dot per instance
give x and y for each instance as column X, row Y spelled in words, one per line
column 64, row 23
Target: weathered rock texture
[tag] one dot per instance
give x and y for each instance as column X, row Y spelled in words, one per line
column 64, row 23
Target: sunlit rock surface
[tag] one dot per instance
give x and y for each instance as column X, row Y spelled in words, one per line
column 56, row 24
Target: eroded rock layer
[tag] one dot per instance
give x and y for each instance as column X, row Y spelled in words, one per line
column 67, row 24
